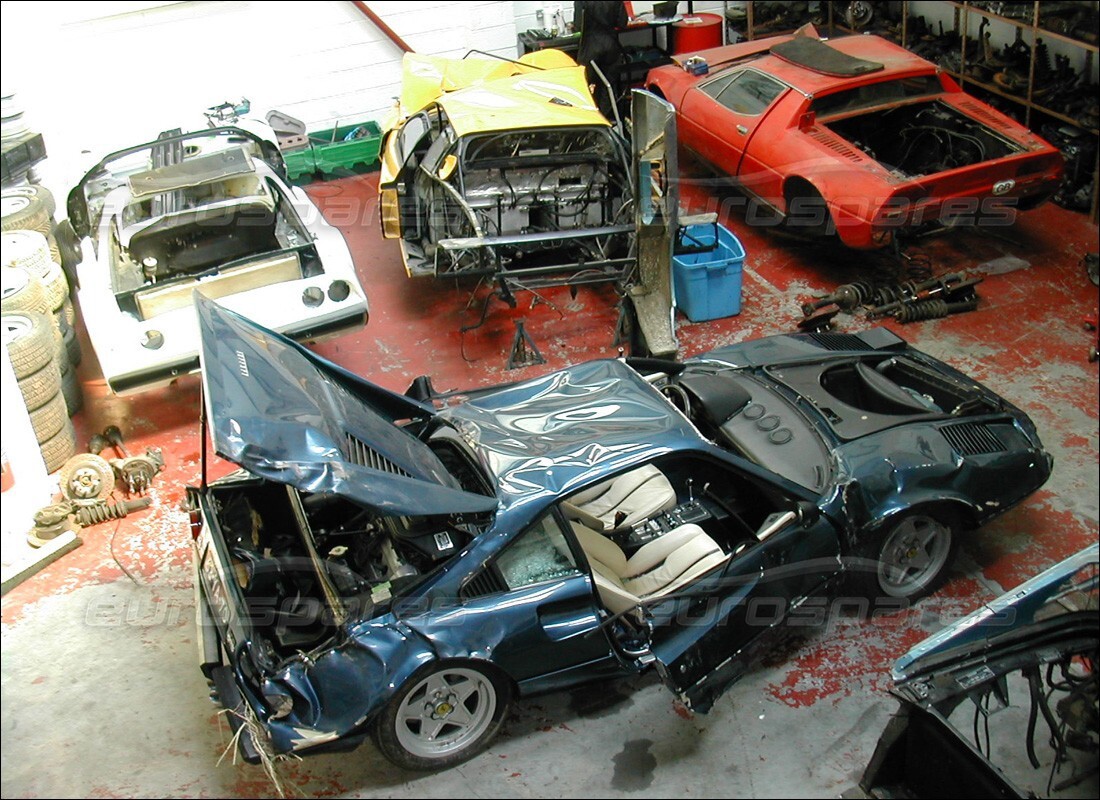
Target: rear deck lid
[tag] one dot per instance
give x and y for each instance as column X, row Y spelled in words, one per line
column 287, row 415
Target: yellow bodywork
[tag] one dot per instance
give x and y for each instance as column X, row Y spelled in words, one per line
column 544, row 89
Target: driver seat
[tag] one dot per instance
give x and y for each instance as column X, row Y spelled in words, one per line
column 656, row 569
column 622, row 501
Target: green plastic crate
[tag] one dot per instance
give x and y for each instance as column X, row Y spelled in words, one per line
column 331, row 151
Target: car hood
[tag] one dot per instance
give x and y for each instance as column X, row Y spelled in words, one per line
column 146, row 161
column 290, row 416
column 1030, row 613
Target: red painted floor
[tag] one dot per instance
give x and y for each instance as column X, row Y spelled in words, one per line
column 1027, row 341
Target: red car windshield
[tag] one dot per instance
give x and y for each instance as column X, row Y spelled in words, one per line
column 876, row 94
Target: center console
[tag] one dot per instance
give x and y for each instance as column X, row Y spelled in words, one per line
column 647, row 531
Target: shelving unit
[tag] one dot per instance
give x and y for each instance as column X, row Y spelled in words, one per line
column 1032, row 32
column 754, row 30
column 967, row 24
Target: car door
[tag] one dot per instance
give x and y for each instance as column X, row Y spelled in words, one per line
column 704, row 640
column 402, row 153
column 723, row 115
column 534, row 610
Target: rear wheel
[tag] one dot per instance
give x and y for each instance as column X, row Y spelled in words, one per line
column 908, row 559
column 807, row 212
column 442, row 718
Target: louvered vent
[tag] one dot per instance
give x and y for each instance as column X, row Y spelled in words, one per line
column 484, row 583
column 972, row 439
column 981, row 113
column 839, row 341
column 359, row 453
column 836, row 145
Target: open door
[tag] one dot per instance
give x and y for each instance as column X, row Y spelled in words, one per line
column 656, row 217
column 705, row 646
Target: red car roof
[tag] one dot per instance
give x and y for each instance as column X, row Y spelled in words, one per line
column 895, row 60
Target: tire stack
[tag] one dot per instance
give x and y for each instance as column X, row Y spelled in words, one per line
column 36, row 323
column 31, row 340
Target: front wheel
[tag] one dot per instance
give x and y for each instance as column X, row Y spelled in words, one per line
column 908, row 559
column 443, row 718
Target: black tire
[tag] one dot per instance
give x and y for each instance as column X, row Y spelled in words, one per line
column 20, row 212
column 39, row 388
column 441, row 696
column 59, row 448
column 907, row 558
column 807, row 212
column 49, row 418
column 73, row 351
column 72, row 391
column 68, row 244
column 57, row 287
column 630, row 330
column 29, row 339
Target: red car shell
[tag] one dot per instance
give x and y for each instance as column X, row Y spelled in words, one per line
column 787, row 152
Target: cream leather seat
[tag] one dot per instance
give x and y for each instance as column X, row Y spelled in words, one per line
column 656, row 569
column 623, row 501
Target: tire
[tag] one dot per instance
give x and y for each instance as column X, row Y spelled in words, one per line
column 34, row 190
column 19, row 212
column 50, row 418
column 22, row 291
column 807, row 212
column 30, row 341
column 68, row 243
column 462, row 691
column 57, row 287
column 39, row 388
column 909, row 558
column 73, row 351
column 68, row 310
column 59, row 448
column 86, row 477
column 29, row 250
column 72, row 391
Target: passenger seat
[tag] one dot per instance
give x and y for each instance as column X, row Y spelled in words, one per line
column 656, row 569
column 623, row 501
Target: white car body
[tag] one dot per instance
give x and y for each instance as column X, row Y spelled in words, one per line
column 210, row 212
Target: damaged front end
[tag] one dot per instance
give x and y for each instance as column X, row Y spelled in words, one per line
column 1038, row 642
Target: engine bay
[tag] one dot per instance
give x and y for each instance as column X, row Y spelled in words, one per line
column 923, row 139
column 339, row 554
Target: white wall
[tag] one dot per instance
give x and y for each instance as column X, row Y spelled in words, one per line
column 93, row 77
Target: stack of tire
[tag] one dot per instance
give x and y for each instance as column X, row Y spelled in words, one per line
column 37, row 320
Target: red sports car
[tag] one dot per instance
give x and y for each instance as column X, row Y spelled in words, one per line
column 856, row 135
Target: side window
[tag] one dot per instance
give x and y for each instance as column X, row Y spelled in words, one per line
column 749, row 93
column 540, row 554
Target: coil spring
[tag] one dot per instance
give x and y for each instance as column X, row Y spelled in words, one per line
column 94, row 513
column 933, row 309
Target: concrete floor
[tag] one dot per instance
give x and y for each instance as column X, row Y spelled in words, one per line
column 101, row 696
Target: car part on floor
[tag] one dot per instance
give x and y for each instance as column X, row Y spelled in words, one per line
column 102, row 511
column 50, row 522
column 136, row 472
column 86, row 478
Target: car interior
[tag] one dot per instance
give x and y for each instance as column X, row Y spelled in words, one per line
column 654, row 529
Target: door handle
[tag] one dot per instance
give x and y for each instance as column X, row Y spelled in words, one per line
column 741, row 129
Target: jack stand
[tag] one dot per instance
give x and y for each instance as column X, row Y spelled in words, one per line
column 524, row 352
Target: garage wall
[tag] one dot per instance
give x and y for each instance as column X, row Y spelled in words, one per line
column 98, row 76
